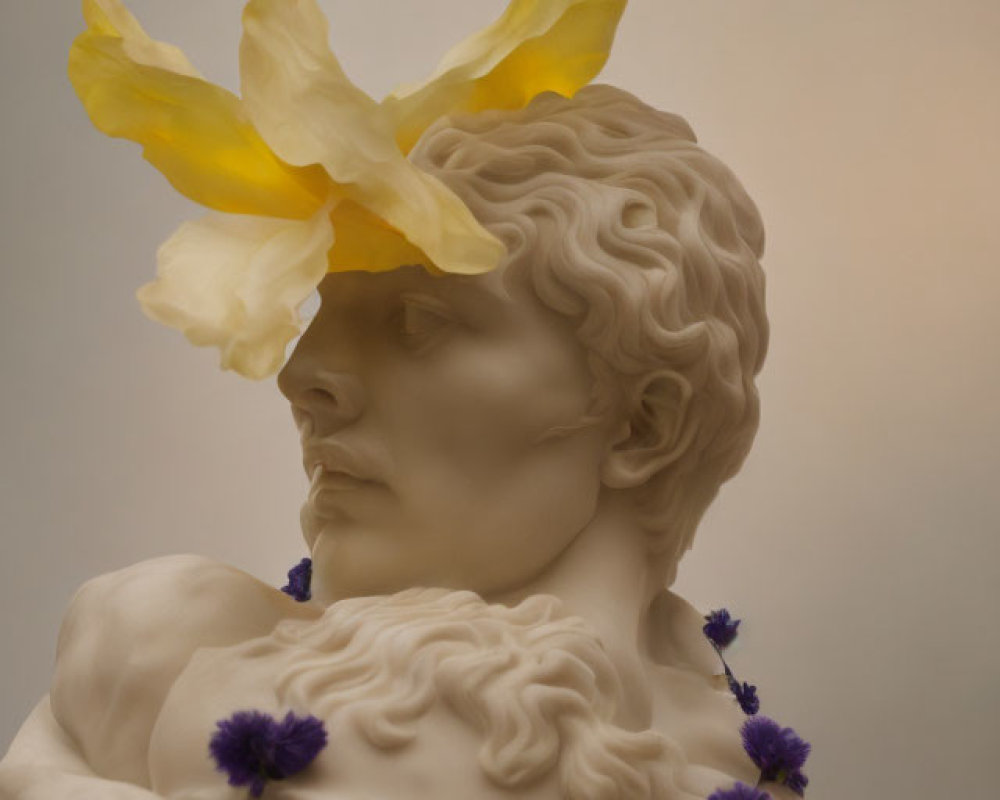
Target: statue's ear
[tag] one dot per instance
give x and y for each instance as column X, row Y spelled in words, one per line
column 655, row 434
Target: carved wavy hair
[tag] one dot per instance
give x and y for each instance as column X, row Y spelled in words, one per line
column 537, row 686
column 617, row 219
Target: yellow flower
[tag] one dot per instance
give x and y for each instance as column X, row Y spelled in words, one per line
column 305, row 173
column 536, row 46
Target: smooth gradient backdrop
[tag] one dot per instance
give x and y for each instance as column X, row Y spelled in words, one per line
column 860, row 543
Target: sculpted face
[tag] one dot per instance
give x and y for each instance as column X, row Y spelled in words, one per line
column 445, row 433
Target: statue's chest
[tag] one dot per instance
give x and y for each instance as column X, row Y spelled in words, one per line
column 439, row 763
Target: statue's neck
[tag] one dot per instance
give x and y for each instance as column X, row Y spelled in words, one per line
column 604, row 577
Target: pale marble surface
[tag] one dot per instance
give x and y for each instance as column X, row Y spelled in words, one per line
column 874, row 468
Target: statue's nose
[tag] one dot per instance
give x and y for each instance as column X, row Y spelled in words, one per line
column 323, row 400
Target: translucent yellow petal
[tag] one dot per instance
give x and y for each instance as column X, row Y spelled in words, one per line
column 535, row 46
column 111, row 18
column 236, row 283
column 309, row 112
column 366, row 242
column 195, row 133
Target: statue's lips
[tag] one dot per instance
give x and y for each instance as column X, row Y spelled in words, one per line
column 338, row 481
column 334, row 464
column 337, row 472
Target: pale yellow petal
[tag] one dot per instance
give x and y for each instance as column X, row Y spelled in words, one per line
column 195, row 133
column 111, row 18
column 236, row 283
column 309, row 112
column 535, row 46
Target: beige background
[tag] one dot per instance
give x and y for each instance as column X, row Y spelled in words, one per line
column 861, row 541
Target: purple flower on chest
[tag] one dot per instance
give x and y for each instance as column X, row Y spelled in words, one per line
column 253, row 748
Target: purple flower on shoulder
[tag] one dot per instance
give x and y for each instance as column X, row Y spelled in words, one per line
column 740, row 792
column 299, row 581
column 778, row 752
column 721, row 628
column 252, row 747
column 797, row 782
column 745, row 693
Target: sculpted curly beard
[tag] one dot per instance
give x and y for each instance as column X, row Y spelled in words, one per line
column 533, row 689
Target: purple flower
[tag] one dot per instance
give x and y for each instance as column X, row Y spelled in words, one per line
column 746, row 695
column 740, row 792
column 779, row 752
column 720, row 628
column 797, row 782
column 299, row 580
column 297, row 742
column 253, row 747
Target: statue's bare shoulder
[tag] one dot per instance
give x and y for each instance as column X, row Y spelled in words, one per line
column 127, row 636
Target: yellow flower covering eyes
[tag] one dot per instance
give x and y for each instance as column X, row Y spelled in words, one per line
column 305, row 173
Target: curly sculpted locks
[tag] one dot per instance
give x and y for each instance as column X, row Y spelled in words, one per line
column 536, row 687
column 616, row 219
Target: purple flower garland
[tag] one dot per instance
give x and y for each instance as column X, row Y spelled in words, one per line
column 778, row 752
column 721, row 630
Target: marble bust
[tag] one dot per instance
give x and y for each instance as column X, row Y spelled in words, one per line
column 505, row 470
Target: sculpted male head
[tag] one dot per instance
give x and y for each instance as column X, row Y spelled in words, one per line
column 613, row 353
column 617, row 220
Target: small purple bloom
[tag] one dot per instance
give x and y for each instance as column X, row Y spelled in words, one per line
column 746, row 695
column 299, row 581
column 720, row 628
column 779, row 752
column 240, row 746
column 297, row 741
column 253, row 747
column 797, row 782
column 740, row 792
